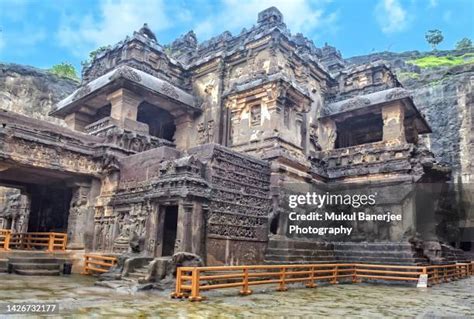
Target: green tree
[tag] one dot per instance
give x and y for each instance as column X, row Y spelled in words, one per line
column 64, row 69
column 464, row 43
column 434, row 37
column 93, row 54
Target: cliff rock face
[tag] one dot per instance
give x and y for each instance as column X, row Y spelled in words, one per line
column 31, row 91
column 444, row 95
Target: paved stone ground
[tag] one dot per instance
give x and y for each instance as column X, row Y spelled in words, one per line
column 78, row 297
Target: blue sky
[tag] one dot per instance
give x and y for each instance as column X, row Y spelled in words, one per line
column 45, row 32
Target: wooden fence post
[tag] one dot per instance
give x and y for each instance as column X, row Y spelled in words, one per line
column 6, row 243
column 354, row 275
column 177, row 292
column 195, row 285
column 51, row 243
column 335, row 273
column 311, row 283
column 245, row 288
column 282, row 284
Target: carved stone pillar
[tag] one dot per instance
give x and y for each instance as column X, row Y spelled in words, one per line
column 328, row 134
column 77, row 121
column 393, row 124
column 79, row 212
column 124, row 105
column 198, row 229
column 184, row 227
column 184, row 132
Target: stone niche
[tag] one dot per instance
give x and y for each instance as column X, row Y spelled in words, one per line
column 271, row 113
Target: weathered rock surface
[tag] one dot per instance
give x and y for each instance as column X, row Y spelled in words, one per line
column 31, row 91
column 445, row 97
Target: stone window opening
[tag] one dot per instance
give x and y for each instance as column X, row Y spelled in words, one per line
column 160, row 122
column 256, row 115
column 358, row 130
column 102, row 112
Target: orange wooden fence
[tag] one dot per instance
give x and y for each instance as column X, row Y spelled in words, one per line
column 191, row 281
column 48, row 241
column 5, row 236
column 94, row 263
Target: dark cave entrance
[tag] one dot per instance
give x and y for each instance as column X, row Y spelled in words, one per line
column 49, row 210
column 170, row 226
column 160, row 122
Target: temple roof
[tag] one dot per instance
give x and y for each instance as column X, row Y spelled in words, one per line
column 374, row 101
column 104, row 83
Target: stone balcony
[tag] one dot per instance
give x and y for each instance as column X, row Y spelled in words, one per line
column 368, row 159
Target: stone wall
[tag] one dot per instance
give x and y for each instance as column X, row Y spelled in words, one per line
column 239, row 206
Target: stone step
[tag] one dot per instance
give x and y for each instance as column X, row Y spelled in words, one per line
column 374, row 246
column 358, row 253
column 37, row 272
column 136, row 275
column 141, row 270
column 33, row 266
column 298, row 258
column 299, row 244
column 30, row 253
column 35, row 260
column 298, row 252
column 381, row 260
column 278, row 262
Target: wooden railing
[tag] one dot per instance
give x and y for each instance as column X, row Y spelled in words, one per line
column 5, row 236
column 94, row 263
column 46, row 241
column 190, row 281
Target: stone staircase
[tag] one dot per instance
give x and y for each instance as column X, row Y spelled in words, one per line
column 138, row 274
column 452, row 255
column 288, row 251
column 379, row 253
column 31, row 263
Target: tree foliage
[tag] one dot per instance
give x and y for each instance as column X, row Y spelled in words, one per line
column 434, row 37
column 93, row 54
column 464, row 43
column 64, row 69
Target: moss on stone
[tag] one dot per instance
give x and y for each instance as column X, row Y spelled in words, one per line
column 403, row 76
column 432, row 61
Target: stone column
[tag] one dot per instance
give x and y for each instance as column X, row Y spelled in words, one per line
column 78, row 121
column 183, row 133
column 183, row 231
column 124, row 105
column 328, row 134
column 393, row 127
column 198, row 229
column 78, row 213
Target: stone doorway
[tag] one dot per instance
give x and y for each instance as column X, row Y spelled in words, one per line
column 170, row 227
column 49, row 210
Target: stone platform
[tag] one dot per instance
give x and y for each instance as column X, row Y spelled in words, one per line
column 36, row 263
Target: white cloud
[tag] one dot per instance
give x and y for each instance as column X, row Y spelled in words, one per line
column 300, row 16
column 391, row 16
column 113, row 22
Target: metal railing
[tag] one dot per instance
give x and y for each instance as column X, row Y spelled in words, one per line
column 94, row 263
column 5, row 236
column 191, row 281
column 48, row 241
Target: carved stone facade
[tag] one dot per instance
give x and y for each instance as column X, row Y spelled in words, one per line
column 188, row 147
